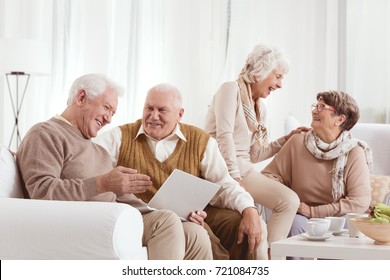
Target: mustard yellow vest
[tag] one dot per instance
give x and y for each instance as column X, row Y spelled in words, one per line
column 187, row 156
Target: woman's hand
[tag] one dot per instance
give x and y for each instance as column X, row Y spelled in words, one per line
column 238, row 179
column 304, row 210
column 295, row 131
column 197, row 217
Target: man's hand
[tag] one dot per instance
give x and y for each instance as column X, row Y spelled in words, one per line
column 122, row 180
column 250, row 225
column 197, row 217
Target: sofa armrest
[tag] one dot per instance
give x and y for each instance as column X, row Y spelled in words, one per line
column 42, row 229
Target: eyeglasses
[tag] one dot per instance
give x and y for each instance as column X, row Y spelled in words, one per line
column 322, row 106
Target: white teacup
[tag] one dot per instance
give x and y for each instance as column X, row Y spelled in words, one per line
column 336, row 223
column 316, row 228
column 321, row 220
column 354, row 232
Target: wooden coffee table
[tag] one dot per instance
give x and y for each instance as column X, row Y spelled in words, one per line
column 336, row 247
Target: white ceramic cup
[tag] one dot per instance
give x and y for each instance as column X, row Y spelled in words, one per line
column 316, row 228
column 354, row 232
column 336, row 223
column 321, row 220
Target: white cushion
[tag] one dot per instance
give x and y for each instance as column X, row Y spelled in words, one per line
column 380, row 189
column 10, row 183
column 377, row 136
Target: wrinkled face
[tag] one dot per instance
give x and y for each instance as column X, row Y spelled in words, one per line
column 272, row 82
column 161, row 114
column 323, row 117
column 95, row 112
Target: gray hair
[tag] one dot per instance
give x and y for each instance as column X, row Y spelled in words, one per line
column 94, row 85
column 262, row 61
column 168, row 88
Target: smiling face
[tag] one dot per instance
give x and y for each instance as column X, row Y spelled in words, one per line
column 325, row 122
column 162, row 111
column 94, row 112
column 265, row 87
column 322, row 120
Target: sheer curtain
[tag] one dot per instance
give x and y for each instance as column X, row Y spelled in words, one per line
column 196, row 45
column 368, row 58
column 139, row 44
column 332, row 44
column 308, row 31
column 26, row 20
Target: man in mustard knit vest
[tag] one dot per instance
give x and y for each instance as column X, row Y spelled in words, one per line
column 159, row 143
column 58, row 161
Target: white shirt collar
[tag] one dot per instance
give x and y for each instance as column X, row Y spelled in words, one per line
column 175, row 133
column 59, row 117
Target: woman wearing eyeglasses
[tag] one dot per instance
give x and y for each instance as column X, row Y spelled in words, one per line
column 236, row 119
column 327, row 168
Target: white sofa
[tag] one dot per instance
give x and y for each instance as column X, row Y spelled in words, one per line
column 44, row 230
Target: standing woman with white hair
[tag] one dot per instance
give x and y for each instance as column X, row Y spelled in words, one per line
column 236, row 119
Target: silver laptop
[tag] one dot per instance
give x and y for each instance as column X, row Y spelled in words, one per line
column 184, row 193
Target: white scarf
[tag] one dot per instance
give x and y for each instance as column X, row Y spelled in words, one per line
column 339, row 149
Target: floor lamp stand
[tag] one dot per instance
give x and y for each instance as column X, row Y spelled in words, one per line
column 16, row 103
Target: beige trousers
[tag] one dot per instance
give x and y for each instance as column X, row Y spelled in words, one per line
column 275, row 196
column 167, row 238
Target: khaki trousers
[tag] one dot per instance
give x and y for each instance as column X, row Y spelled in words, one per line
column 167, row 238
column 273, row 195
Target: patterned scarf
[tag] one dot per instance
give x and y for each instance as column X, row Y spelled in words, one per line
column 339, row 149
column 257, row 127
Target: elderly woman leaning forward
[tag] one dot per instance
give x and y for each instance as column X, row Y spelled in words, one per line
column 236, row 118
column 327, row 168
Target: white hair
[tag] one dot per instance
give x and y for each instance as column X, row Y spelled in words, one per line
column 94, row 85
column 262, row 61
column 168, row 88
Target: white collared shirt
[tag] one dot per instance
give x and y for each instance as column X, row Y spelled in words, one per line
column 213, row 166
column 162, row 149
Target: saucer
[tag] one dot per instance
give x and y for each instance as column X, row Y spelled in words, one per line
column 316, row 238
column 339, row 232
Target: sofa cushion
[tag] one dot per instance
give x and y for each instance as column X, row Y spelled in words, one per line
column 375, row 135
column 380, row 187
column 10, row 183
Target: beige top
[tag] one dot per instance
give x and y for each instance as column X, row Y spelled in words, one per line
column 225, row 121
column 311, row 179
column 52, row 159
column 58, row 163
